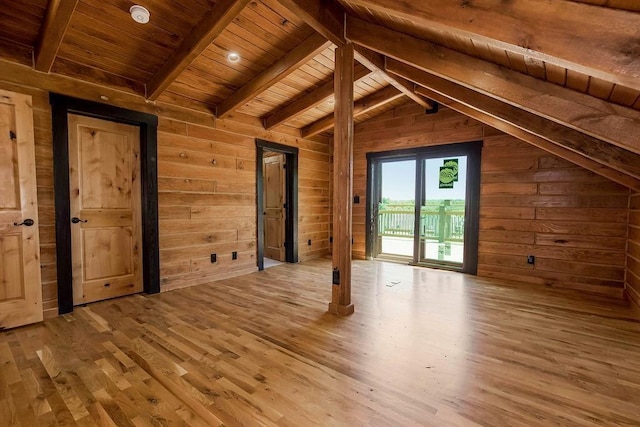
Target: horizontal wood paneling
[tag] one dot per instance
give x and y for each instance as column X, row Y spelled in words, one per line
column 573, row 222
column 532, row 203
column 632, row 279
column 207, row 198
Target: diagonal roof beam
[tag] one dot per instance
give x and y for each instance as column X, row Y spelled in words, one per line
column 205, row 32
column 596, row 41
column 375, row 62
column 284, row 66
column 324, row 16
column 55, row 26
column 617, row 164
column 327, row 18
column 361, row 106
column 310, row 100
column 600, row 119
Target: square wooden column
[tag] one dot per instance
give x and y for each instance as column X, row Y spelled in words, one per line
column 342, row 181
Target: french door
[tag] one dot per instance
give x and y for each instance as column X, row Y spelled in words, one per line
column 423, row 206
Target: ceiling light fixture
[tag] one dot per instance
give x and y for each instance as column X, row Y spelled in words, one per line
column 233, row 57
column 139, row 14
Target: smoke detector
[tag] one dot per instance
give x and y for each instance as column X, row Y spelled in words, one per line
column 139, row 14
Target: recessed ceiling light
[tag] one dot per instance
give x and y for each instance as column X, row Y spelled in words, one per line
column 233, row 57
column 139, row 14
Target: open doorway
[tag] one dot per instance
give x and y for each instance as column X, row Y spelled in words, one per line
column 277, row 203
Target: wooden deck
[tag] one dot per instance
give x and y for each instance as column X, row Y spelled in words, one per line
column 424, row 348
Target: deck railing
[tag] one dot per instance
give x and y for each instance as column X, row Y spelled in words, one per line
column 439, row 223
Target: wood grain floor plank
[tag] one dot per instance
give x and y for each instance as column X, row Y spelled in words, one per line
column 425, row 347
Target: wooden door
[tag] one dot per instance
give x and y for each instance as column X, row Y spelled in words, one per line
column 106, row 232
column 274, row 230
column 20, row 281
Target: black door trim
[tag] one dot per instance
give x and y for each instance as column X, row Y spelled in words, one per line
column 61, row 106
column 291, row 211
column 473, row 151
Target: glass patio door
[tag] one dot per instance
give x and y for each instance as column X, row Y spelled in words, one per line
column 395, row 209
column 424, row 207
column 442, row 212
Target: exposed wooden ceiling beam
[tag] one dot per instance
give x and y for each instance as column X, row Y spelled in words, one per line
column 375, row 62
column 313, row 99
column 596, row 41
column 603, row 120
column 615, row 163
column 55, row 25
column 205, row 32
column 276, row 72
column 324, row 16
column 327, row 17
column 360, row 106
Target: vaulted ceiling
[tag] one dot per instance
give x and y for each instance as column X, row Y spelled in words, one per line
column 562, row 75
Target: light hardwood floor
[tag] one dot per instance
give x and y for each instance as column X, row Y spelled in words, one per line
column 424, row 347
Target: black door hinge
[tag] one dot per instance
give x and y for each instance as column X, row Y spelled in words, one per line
column 12, row 135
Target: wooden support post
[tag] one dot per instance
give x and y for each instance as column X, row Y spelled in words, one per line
column 342, row 181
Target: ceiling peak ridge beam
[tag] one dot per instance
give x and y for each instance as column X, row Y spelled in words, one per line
column 284, row 66
column 361, row 106
column 309, row 101
column 599, row 42
column 600, row 119
column 614, row 163
column 329, row 18
column 202, row 35
column 56, row 22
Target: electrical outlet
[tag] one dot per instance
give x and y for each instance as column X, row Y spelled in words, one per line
column 531, row 259
column 309, row 242
column 214, row 258
column 234, row 255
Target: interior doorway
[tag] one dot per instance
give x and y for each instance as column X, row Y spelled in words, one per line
column 277, row 203
column 116, row 229
column 424, row 205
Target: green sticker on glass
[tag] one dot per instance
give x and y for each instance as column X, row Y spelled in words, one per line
column 452, row 164
column 447, row 177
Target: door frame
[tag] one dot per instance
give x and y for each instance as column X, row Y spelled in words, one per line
column 473, row 151
column 61, row 107
column 291, row 199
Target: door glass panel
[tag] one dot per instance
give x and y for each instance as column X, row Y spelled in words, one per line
column 396, row 209
column 442, row 210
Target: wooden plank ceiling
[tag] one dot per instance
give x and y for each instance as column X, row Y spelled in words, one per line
column 577, row 62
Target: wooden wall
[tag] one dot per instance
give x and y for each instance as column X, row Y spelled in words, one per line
column 633, row 253
column 532, row 203
column 207, row 198
column 573, row 221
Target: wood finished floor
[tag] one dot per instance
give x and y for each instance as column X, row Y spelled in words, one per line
column 424, row 348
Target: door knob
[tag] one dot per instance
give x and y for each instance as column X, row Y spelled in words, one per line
column 76, row 220
column 27, row 222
